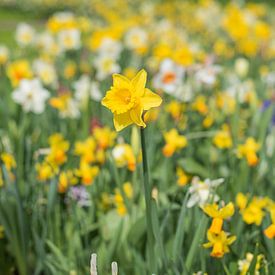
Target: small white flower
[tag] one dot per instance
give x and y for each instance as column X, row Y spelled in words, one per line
column 24, row 34
column 45, row 71
column 269, row 79
column 208, row 75
column 69, row 39
column 95, row 92
column 202, row 191
column 71, row 110
column 110, row 47
column 241, row 66
column 105, row 66
column 136, row 38
column 170, row 77
column 31, row 96
column 46, row 42
column 238, row 89
column 85, row 89
column 118, row 152
column 243, row 265
column 82, row 87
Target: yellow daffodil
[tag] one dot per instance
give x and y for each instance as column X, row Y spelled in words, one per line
column 8, row 160
column 220, row 243
column 218, row 215
column 245, row 263
column 223, row 139
column 19, row 70
column 175, row 109
column 87, row 173
column 123, row 155
column 59, row 147
column 270, row 230
column 174, row 142
column 241, row 201
column 254, row 212
column 128, row 99
column 86, row 150
column 104, row 137
column 249, row 150
column 182, row 177
column 118, row 198
column 66, row 179
column 45, row 171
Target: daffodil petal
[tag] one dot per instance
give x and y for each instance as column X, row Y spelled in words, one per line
column 150, row 100
column 139, row 82
column 211, row 210
column 115, row 100
column 227, row 211
column 136, row 115
column 122, row 120
column 121, row 81
column 207, row 245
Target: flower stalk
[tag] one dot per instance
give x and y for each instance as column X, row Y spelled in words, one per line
column 148, row 202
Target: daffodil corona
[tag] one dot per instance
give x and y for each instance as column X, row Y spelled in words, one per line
column 128, row 99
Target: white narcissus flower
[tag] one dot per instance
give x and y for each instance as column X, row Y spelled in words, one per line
column 82, row 87
column 170, row 77
column 71, row 110
column 45, row 71
column 69, row 39
column 136, row 38
column 241, row 66
column 31, row 96
column 46, row 42
column 202, row 191
column 24, row 34
column 85, row 89
column 208, row 75
column 95, row 91
column 110, row 47
column 105, row 66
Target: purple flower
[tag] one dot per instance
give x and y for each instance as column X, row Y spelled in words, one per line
column 80, row 194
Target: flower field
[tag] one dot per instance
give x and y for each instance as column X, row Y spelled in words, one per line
column 138, row 137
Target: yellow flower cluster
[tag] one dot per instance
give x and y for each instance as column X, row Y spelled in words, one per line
column 249, row 150
column 174, row 142
column 218, row 239
column 254, row 210
column 91, row 152
column 223, row 139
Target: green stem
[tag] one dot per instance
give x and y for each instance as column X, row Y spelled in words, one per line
column 227, row 272
column 148, row 202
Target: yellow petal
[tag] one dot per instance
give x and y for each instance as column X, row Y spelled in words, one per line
column 139, row 82
column 136, row 115
column 121, row 81
column 115, row 100
column 122, row 120
column 227, row 211
column 231, row 239
column 207, row 245
column 211, row 210
column 150, row 100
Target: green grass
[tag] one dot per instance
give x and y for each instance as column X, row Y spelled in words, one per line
column 9, row 18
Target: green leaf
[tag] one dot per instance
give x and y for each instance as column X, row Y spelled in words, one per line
column 253, row 264
column 192, row 167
